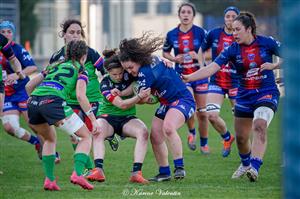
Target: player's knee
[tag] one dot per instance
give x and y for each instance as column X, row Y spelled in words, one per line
column 241, row 140
column 168, row 129
column 212, row 117
column 12, row 126
column 156, row 139
column 72, row 125
column 202, row 114
column 142, row 134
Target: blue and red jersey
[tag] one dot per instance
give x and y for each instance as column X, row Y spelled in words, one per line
column 247, row 60
column 5, row 47
column 163, row 81
column 218, row 40
column 183, row 43
column 16, row 91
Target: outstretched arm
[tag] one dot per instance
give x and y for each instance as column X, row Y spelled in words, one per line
column 202, row 73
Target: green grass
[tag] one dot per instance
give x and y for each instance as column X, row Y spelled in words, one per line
column 207, row 176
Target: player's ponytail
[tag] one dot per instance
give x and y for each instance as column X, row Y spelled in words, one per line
column 75, row 50
column 111, row 59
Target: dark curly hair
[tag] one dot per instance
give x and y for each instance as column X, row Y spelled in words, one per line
column 140, row 49
column 66, row 24
column 111, row 59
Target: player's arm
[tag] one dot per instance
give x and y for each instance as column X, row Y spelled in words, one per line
column 128, row 103
column 202, row 73
column 82, row 98
column 34, row 82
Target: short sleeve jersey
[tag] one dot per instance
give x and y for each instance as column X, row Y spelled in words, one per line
column 247, row 59
column 218, row 40
column 107, row 107
column 93, row 62
column 61, row 80
column 25, row 60
column 163, row 81
column 183, row 43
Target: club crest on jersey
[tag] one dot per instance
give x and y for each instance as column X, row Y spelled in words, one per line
column 185, row 42
column 251, row 56
column 225, row 45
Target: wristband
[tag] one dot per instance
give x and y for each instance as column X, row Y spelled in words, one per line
column 88, row 112
column 139, row 96
column 44, row 73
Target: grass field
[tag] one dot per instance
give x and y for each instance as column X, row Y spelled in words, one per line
column 207, row 176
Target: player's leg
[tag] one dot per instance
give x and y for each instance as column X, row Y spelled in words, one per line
column 160, row 150
column 213, row 107
column 200, row 100
column 263, row 115
column 191, row 126
column 135, row 128
column 11, row 124
column 106, row 130
column 242, row 126
column 174, row 120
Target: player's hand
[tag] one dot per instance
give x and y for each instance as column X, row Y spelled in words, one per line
column 96, row 127
column 11, row 79
column 185, row 78
column 144, row 92
column 179, row 59
column 167, row 63
column 115, row 92
column 267, row 66
column 193, row 54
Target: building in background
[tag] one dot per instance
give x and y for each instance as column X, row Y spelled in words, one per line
column 9, row 10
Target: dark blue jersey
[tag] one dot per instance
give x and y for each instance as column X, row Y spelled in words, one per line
column 218, row 40
column 5, row 47
column 25, row 60
column 247, row 60
column 163, row 81
column 183, row 43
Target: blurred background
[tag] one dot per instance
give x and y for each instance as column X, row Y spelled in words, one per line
column 108, row 21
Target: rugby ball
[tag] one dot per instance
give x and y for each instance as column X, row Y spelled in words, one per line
column 152, row 98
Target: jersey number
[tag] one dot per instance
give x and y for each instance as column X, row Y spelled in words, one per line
column 59, row 76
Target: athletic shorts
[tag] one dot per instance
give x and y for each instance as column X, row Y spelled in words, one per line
column 185, row 105
column 117, row 122
column 249, row 100
column 77, row 109
column 231, row 93
column 199, row 86
column 47, row 109
column 16, row 101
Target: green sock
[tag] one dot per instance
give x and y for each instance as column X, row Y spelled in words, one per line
column 80, row 160
column 89, row 163
column 48, row 163
column 74, row 146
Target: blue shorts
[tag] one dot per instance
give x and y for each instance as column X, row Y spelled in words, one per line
column 199, row 86
column 185, row 105
column 232, row 93
column 17, row 101
column 20, row 106
column 249, row 100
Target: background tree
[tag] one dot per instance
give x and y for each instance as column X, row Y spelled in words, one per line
column 28, row 21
